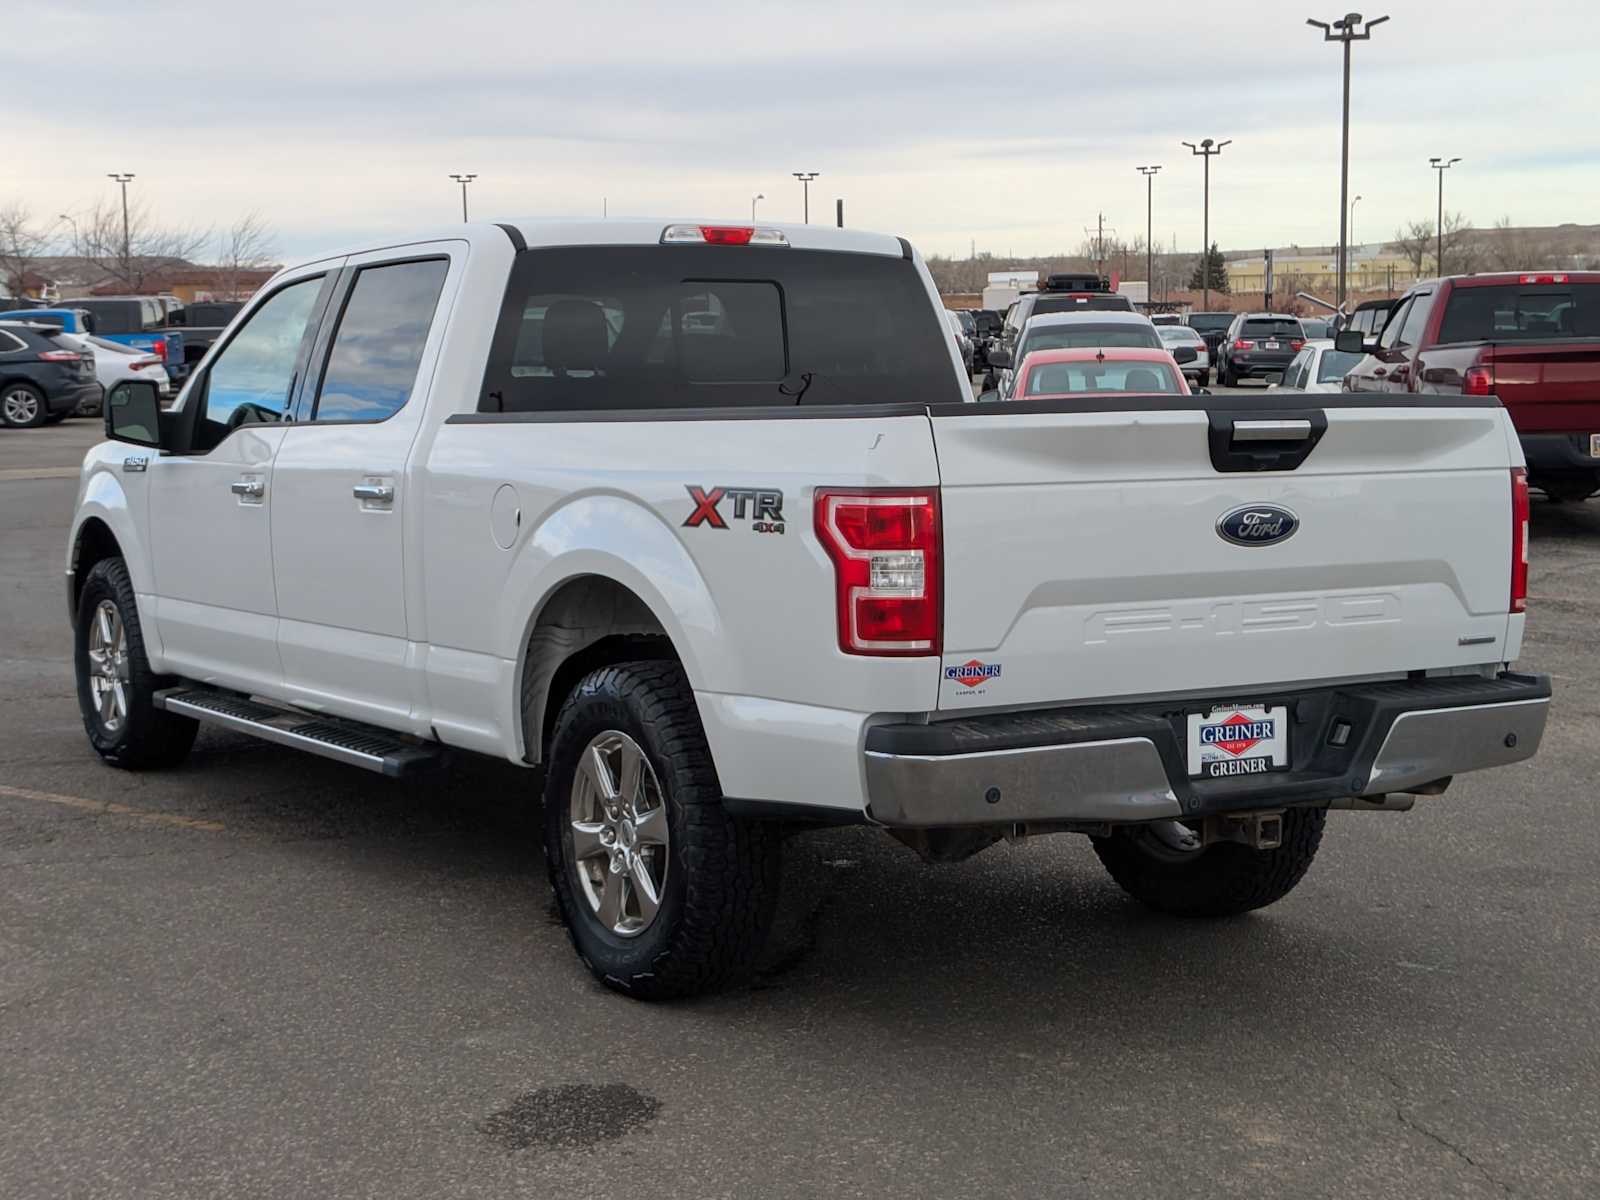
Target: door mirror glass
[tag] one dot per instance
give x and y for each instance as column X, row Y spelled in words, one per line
column 1000, row 358
column 133, row 413
column 1350, row 341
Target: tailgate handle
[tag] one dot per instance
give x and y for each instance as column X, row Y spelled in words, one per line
column 1258, row 439
column 1271, row 431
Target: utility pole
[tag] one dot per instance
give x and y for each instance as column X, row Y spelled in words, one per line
column 805, row 178
column 1350, row 30
column 1149, row 174
column 1353, row 241
column 1206, row 149
column 124, row 178
column 463, row 180
column 753, row 199
column 1441, row 165
column 838, row 212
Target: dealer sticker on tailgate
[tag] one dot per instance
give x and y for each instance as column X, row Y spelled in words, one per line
column 1244, row 739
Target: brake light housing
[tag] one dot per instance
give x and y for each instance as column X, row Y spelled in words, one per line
column 723, row 235
column 1242, row 344
column 59, row 356
column 1519, row 540
column 1478, row 381
column 886, row 548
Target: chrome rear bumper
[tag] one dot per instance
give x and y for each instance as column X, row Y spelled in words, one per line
column 1050, row 767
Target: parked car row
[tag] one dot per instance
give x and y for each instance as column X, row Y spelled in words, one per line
column 45, row 375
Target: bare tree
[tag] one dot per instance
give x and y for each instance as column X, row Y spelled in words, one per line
column 1414, row 241
column 132, row 254
column 22, row 241
column 1463, row 250
column 247, row 245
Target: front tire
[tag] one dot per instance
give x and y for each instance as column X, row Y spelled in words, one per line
column 1221, row 880
column 1205, row 378
column 662, row 892
column 22, row 406
column 116, row 687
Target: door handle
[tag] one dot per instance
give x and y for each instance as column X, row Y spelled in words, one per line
column 381, row 493
column 247, row 487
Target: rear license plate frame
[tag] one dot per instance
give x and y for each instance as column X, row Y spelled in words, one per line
column 1209, row 756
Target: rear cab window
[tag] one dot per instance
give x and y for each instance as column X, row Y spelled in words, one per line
column 644, row 327
column 1521, row 312
column 1272, row 327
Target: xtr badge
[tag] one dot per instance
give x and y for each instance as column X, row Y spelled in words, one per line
column 762, row 507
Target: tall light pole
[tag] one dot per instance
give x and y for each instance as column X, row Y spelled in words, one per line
column 124, row 178
column 1149, row 174
column 805, row 178
column 1349, row 29
column 1441, row 165
column 1206, row 149
column 753, row 199
column 463, row 180
column 1353, row 241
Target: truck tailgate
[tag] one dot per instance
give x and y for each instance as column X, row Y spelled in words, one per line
column 1548, row 387
column 1083, row 559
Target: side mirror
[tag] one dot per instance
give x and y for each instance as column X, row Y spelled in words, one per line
column 1350, row 341
column 988, row 397
column 1000, row 358
column 1202, row 391
column 133, row 413
column 1184, row 354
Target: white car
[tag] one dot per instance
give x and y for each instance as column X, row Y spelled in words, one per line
column 477, row 491
column 114, row 362
column 1181, row 335
column 1318, row 367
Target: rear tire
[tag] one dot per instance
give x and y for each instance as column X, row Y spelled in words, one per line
column 22, row 406
column 1222, row 880
column 116, row 687
column 714, row 879
column 1204, row 378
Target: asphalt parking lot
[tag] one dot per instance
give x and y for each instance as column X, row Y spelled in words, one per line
column 264, row 974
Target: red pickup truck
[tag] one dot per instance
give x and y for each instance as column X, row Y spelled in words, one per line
column 1532, row 339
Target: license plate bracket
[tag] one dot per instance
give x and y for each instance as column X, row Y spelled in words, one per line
column 1594, row 445
column 1238, row 739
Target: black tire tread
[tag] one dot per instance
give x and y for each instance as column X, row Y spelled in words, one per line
column 1225, row 879
column 152, row 737
column 730, row 867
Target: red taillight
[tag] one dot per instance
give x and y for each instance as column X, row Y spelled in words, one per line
column 159, row 348
column 884, row 544
column 140, row 364
column 59, row 356
column 1478, row 381
column 1519, row 540
column 1241, row 344
column 727, row 235
column 1296, row 343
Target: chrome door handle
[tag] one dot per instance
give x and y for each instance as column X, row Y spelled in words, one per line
column 247, row 487
column 382, row 493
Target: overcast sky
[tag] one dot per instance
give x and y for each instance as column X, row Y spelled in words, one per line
column 1007, row 124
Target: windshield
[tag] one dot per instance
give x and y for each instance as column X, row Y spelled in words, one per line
column 1112, row 375
column 1089, row 337
column 1335, row 365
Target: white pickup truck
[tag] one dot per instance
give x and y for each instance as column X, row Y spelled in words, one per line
column 699, row 519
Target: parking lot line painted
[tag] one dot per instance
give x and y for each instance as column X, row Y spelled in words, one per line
column 8, row 473
column 120, row 810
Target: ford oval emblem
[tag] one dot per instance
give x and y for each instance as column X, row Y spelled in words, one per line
column 1257, row 525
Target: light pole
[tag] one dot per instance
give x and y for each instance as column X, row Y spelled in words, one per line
column 1350, row 30
column 1206, row 149
column 1353, row 241
column 1441, row 165
column 805, row 178
column 1149, row 174
column 753, row 199
column 124, row 178
column 463, row 180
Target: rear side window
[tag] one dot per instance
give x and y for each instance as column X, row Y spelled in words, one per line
column 373, row 364
column 641, row 327
column 1512, row 312
column 10, row 344
column 1416, row 319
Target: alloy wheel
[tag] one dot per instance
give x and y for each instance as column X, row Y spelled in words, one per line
column 618, row 818
column 108, row 666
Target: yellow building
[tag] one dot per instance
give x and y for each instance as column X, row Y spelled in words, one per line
column 1373, row 268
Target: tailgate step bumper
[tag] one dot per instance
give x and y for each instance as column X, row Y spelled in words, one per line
column 1128, row 764
column 331, row 737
